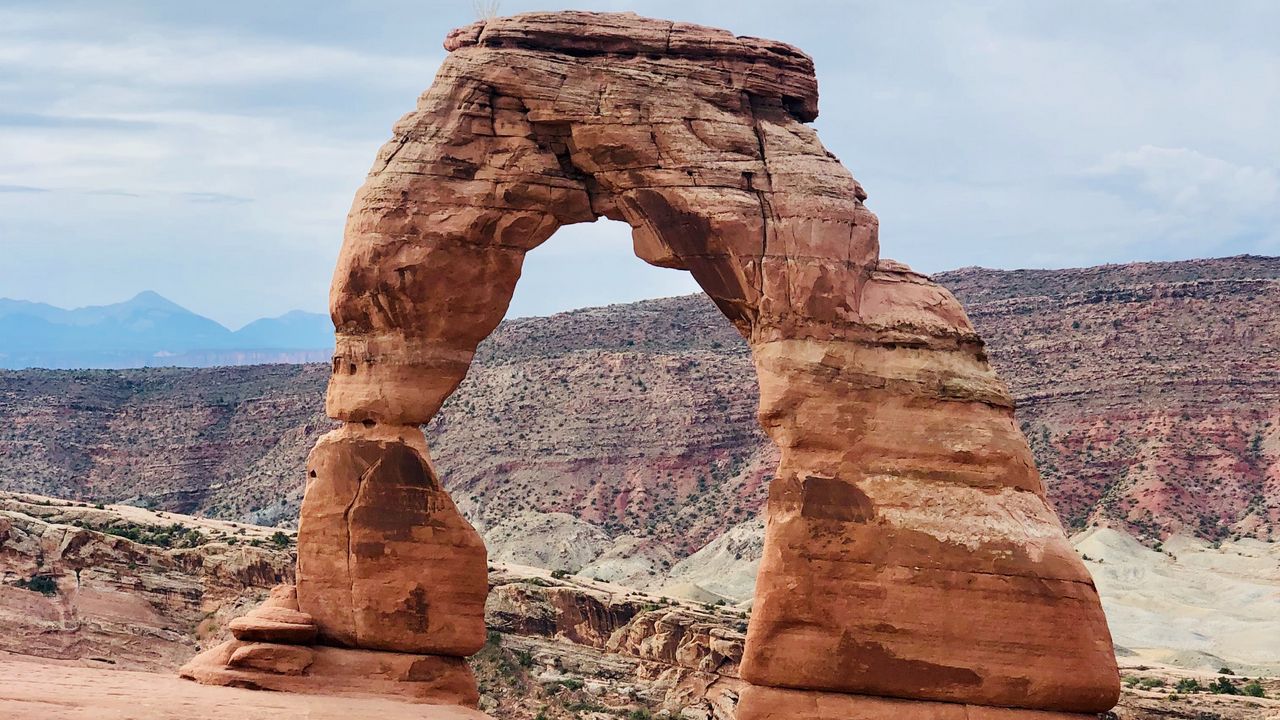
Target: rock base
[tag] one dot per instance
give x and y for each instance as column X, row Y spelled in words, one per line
column 766, row 703
column 321, row 670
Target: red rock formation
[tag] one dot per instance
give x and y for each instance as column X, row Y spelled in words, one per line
column 909, row 548
column 272, row 650
column 385, row 561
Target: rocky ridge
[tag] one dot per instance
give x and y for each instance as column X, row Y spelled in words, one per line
column 560, row 646
column 606, row 399
column 1148, row 391
column 124, row 586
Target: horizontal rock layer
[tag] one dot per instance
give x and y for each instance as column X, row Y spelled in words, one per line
column 909, row 548
column 321, row 670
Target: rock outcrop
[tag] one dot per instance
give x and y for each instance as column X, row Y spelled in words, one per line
column 557, row 644
column 905, row 489
column 123, row 586
column 909, row 549
column 391, row 584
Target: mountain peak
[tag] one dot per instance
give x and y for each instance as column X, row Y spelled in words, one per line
column 153, row 299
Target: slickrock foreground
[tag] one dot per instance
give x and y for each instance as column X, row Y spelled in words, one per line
column 909, row 549
column 72, row 692
column 556, row 644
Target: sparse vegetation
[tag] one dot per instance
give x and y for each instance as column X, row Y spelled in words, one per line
column 165, row 536
column 1188, row 685
column 1223, row 686
column 43, row 584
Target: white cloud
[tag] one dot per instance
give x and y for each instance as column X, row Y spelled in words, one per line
column 1002, row 133
column 1192, row 181
column 184, row 57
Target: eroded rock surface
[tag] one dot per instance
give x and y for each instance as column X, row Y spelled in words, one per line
column 124, row 586
column 628, row 650
column 905, row 490
column 385, row 561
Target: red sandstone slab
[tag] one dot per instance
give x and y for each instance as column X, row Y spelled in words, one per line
column 342, row 672
column 764, row 703
column 69, row 691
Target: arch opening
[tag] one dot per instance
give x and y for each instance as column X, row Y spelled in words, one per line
column 615, row 444
column 589, row 265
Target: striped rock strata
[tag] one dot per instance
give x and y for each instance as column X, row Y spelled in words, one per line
column 909, row 549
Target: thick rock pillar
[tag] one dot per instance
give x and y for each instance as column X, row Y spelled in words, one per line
column 385, row 560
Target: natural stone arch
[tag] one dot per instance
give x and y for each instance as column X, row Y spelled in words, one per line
column 910, row 552
column 543, row 121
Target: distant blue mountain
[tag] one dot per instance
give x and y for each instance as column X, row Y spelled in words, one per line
column 295, row 329
column 150, row 330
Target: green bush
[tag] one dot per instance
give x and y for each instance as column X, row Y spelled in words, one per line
column 43, row 584
column 1223, row 686
column 1254, row 689
column 1188, row 685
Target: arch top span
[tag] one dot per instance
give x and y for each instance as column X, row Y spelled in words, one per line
column 694, row 137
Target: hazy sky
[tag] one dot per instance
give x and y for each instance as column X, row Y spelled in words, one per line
column 210, row 151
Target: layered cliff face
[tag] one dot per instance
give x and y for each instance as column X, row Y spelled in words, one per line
column 639, row 419
column 123, row 586
column 221, row 442
column 1149, row 392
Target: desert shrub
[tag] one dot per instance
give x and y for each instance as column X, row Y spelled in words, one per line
column 571, row 683
column 1223, row 686
column 170, row 536
column 560, row 574
column 1188, row 685
column 281, row 540
column 43, row 584
column 1254, row 689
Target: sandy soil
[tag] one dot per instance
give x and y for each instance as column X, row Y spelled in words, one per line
column 70, row 691
column 1190, row 604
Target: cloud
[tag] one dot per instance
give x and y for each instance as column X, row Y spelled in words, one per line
column 1188, row 180
column 181, row 57
column 211, row 151
column 215, row 198
column 1190, row 202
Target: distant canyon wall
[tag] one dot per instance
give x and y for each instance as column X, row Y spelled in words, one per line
column 1148, row 393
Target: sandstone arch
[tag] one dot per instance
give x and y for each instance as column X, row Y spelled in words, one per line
column 910, row 552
